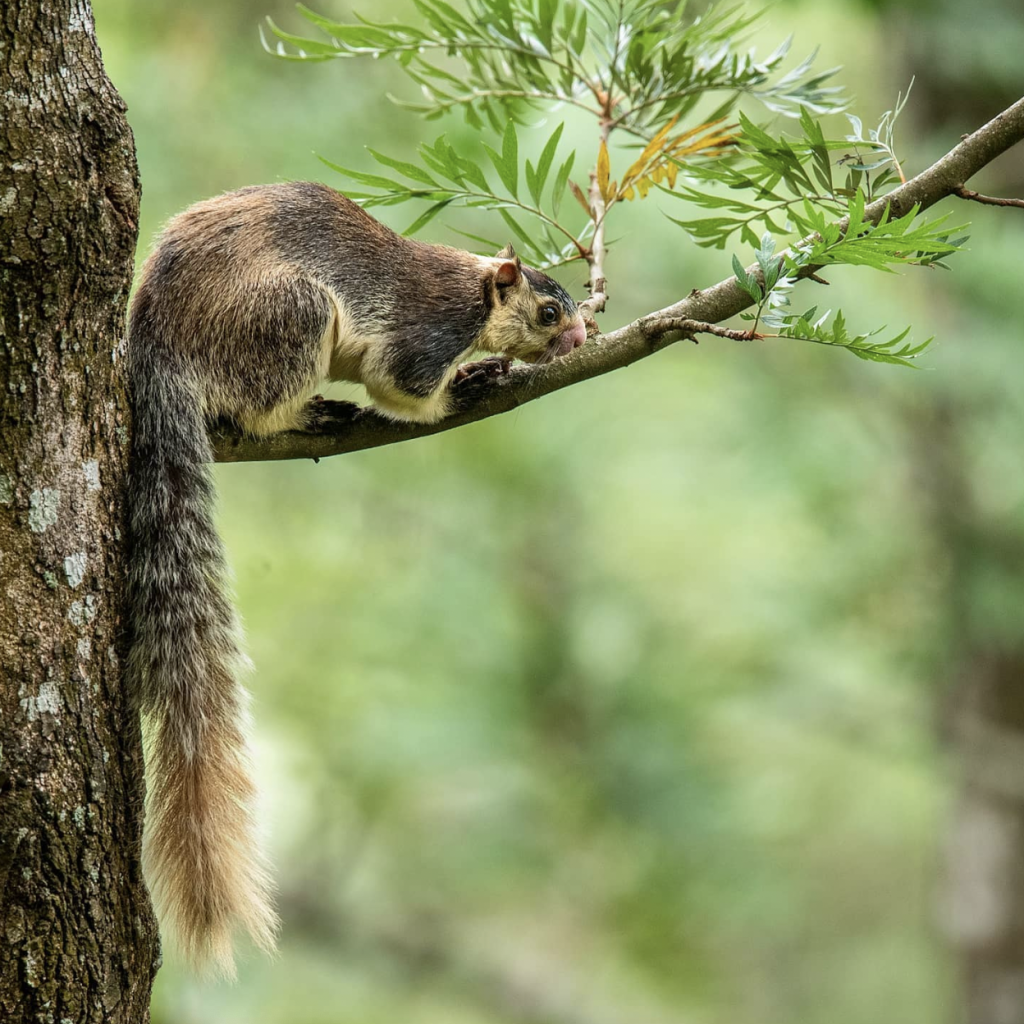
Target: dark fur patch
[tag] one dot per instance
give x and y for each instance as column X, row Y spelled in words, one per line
column 362, row 260
column 419, row 358
column 548, row 287
column 281, row 326
column 428, row 299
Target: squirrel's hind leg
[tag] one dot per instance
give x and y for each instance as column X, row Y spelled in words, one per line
column 287, row 329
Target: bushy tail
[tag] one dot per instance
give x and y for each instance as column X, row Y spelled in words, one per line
column 201, row 853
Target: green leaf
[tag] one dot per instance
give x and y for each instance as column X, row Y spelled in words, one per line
column 856, row 215
column 310, row 49
column 436, row 19
column 428, row 215
column 527, row 240
column 546, row 10
column 740, row 271
column 804, row 328
column 748, row 283
column 474, row 174
column 506, row 163
column 373, row 180
column 544, row 163
column 366, row 37
column 561, row 183
column 510, row 157
column 819, row 150
column 409, row 170
column 579, row 37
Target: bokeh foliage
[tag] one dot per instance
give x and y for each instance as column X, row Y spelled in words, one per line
column 622, row 706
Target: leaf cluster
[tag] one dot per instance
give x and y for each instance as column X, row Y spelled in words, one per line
column 661, row 159
column 637, row 66
column 637, row 63
column 804, row 327
column 882, row 149
column 773, row 179
column 881, row 246
column 641, row 67
column 446, row 177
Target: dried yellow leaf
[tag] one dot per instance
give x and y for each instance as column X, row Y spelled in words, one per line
column 580, row 197
column 655, row 144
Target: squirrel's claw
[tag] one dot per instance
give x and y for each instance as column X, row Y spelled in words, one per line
column 493, row 366
column 322, row 413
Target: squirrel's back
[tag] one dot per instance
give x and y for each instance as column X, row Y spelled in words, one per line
column 209, row 259
column 298, row 275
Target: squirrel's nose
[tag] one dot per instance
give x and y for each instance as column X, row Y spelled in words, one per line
column 572, row 337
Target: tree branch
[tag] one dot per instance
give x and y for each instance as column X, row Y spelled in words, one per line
column 966, row 193
column 597, row 284
column 480, row 399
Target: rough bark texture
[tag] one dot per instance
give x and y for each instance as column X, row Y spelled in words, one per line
column 78, row 941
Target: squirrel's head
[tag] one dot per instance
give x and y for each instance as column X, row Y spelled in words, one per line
column 533, row 318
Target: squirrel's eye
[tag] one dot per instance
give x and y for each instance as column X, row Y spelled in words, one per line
column 548, row 315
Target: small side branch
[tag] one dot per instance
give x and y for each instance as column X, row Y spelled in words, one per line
column 694, row 314
column 656, row 327
column 977, row 197
column 598, row 210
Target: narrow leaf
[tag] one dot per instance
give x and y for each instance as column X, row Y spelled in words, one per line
column 424, row 218
column 373, row 180
column 409, row 170
column 603, row 171
column 510, row 156
column 506, row 163
column 581, row 198
column 546, row 157
column 561, row 180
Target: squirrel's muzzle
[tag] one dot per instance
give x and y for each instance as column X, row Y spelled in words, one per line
column 570, row 338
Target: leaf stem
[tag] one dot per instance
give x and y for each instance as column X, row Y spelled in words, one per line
column 447, row 105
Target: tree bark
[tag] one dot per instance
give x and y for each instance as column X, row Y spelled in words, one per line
column 984, row 892
column 78, row 940
column 981, row 899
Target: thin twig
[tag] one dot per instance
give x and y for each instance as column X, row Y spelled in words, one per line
column 657, row 326
column 977, row 197
column 597, row 252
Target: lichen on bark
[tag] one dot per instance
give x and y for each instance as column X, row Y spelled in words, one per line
column 79, row 940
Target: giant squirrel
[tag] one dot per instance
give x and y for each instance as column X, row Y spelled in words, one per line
column 247, row 304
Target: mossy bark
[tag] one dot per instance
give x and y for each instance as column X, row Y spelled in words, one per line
column 78, row 941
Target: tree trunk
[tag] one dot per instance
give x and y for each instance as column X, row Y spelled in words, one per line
column 984, row 898
column 981, row 900
column 78, row 941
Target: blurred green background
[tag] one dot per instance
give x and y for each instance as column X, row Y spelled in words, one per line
column 633, row 705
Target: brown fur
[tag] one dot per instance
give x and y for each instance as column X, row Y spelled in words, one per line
column 206, row 873
column 249, row 302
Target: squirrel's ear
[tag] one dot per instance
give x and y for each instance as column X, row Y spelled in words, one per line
column 507, row 274
column 508, row 253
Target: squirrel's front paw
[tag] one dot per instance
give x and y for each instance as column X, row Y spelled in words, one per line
column 493, row 366
column 321, row 414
